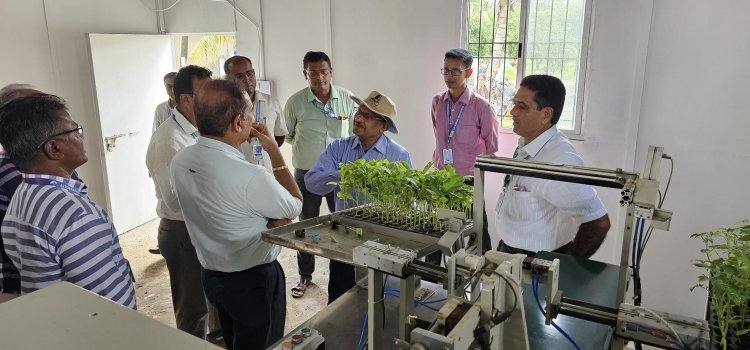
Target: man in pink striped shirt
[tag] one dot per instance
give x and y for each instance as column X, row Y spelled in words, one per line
column 464, row 123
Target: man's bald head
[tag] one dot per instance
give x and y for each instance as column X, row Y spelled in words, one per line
column 11, row 92
column 217, row 103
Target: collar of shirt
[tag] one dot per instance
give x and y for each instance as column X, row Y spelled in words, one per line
column 334, row 95
column 220, row 146
column 535, row 146
column 381, row 145
column 71, row 183
column 184, row 123
column 464, row 99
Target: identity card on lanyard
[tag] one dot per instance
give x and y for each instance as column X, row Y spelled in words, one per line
column 257, row 148
column 448, row 151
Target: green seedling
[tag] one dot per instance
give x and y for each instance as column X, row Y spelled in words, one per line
column 727, row 270
column 399, row 196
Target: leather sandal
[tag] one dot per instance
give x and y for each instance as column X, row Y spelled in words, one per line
column 300, row 288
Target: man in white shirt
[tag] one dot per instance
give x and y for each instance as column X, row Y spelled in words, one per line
column 164, row 110
column 535, row 215
column 266, row 109
column 174, row 134
column 227, row 203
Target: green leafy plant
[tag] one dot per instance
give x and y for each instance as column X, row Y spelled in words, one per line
column 727, row 277
column 397, row 195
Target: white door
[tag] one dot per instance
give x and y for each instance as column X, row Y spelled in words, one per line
column 128, row 71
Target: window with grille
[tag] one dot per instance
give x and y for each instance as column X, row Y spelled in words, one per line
column 510, row 39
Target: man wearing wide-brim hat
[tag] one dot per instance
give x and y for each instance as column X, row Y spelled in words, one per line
column 375, row 116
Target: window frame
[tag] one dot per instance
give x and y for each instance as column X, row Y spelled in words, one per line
column 577, row 132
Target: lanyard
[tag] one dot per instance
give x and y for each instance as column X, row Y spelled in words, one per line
column 258, row 118
column 328, row 112
column 174, row 118
column 51, row 182
column 452, row 129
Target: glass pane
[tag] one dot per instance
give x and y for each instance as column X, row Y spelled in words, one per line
column 554, row 42
column 494, row 24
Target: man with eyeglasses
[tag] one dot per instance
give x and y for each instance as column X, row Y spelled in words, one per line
column 315, row 117
column 192, row 314
column 535, row 215
column 373, row 118
column 266, row 109
column 163, row 111
column 464, row 124
column 227, row 203
column 52, row 230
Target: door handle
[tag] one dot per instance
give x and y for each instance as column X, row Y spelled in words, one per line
column 110, row 141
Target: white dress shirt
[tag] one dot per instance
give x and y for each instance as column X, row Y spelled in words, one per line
column 171, row 136
column 226, row 202
column 162, row 113
column 538, row 214
column 270, row 114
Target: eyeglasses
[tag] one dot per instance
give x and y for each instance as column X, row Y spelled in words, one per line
column 316, row 73
column 369, row 117
column 79, row 130
column 249, row 74
column 454, row 72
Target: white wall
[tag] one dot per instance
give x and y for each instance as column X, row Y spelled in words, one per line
column 61, row 65
column 674, row 80
column 695, row 105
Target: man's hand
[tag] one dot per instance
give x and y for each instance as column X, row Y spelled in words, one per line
column 259, row 131
column 274, row 223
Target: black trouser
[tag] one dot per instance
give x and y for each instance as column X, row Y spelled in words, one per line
column 436, row 257
column 310, row 209
column 341, row 279
column 251, row 304
column 188, row 300
column 502, row 247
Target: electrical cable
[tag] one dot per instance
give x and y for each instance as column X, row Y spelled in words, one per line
column 534, row 287
column 164, row 10
column 360, row 343
column 661, row 202
column 662, row 320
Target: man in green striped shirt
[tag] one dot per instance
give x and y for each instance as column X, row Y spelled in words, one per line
column 315, row 116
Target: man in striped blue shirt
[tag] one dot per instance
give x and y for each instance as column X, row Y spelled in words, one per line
column 52, row 231
column 10, row 178
column 373, row 118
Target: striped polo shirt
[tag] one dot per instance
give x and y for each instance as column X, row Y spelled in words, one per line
column 53, row 232
column 10, row 178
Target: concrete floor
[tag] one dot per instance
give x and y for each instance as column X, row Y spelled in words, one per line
column 152, row 279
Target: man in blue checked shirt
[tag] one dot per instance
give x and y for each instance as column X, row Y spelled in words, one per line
column 373, row 118
column 52, row 231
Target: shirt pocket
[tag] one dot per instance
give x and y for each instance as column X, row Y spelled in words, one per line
column 467, row 132
column 523, row 205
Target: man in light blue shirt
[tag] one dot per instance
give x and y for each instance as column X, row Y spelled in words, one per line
column 374, row 116
column 227, row 203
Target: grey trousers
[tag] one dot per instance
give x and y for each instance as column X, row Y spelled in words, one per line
column 191, row 310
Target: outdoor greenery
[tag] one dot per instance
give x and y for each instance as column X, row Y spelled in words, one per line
column 554, row 33
column 727, row 277
column 400, row 196
column 211, row 50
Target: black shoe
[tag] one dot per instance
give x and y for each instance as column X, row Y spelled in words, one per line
column 154, row 251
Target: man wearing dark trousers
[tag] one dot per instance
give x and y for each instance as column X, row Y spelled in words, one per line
column 227, row 202
column 535, row 215
column 175, row 133
column 315, row 116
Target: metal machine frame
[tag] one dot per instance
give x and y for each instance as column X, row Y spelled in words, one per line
column 387, row 250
